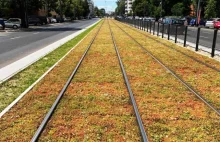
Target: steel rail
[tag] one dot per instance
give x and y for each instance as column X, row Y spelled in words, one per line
column 140, row 123
column 172, row 72
column 55, row 104
column 193, row 58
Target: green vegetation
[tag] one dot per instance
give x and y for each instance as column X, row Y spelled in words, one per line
column 25, row 8
column 120, row 10
column 12, row 88
column 210, row 9
column 169, row 111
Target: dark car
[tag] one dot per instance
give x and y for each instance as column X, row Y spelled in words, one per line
column 193, row 22
column 60, row 20
column 43, row 19
column 34, row 21
column 173, row 21
column 2, row 24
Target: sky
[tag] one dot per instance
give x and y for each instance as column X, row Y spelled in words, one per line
column 109, row 5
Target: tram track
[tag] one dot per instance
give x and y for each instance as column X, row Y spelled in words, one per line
column 50, row 113
column 139, row 120
column 175, row 49
column 173, row 73
column 169, row 110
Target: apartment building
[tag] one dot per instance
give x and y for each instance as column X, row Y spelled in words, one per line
column 128, row 6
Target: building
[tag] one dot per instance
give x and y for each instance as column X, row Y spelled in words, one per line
column 128, row 6
column 91, row 7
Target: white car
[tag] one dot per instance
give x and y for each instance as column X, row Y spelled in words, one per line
column 210, row 22
column 53, row 20
column 13, row 23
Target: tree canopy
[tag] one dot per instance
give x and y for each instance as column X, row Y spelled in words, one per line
column 23, row 8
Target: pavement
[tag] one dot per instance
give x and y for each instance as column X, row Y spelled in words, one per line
column 16, row 44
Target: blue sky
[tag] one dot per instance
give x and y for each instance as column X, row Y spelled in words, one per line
column 109, row 5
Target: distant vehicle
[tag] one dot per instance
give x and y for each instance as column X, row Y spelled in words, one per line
column 193, row 22
column 173, row 21
column 2, row 24
column 210, row 22
column 13, row 23
column 43, row 19
column 52, row 20
column 35, row 21
column 136, row 17
column 217, row 24
column 129, row 17
column 59, row 20
column 150, row 19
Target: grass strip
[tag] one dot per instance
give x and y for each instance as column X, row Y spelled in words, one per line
column 202, row 78
column 169, row 111
column 21, row 121
column 13, row 87
column 96, row 106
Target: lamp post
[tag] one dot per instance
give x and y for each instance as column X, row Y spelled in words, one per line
column 161, row 3
column 61, row 15
column 198, row 11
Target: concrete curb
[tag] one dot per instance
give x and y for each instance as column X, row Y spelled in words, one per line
column 12, row 69
column 29, row 88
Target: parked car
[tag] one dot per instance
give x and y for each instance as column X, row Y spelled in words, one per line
column 43, row 19
column 13, row 23
column 173, row 21
column 35, row 21
column 2, row 24
column 59, row 19
column 149, row 19
column 52, row 20
column 210, row 22
column 193, row 22
column 217, row 23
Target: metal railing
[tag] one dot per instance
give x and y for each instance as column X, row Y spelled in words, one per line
column 187, row 35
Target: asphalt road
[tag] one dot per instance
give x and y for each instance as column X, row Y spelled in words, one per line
column 206, row 36
column 16, row 45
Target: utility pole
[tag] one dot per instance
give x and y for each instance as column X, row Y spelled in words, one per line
column 61, row 15
column 198, row 12
column 161, row 8
column 25, row 17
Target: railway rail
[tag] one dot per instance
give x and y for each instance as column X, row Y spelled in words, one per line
column 173, row 73
column 140, row 123
column 193, row 58
column 55, row 104
column 138, row 103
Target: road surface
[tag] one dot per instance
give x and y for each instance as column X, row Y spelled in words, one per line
column 16, row 45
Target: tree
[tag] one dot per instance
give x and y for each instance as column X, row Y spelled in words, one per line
column 50, row 5
column 120, row 9
column 210, row 9
column 178, row 9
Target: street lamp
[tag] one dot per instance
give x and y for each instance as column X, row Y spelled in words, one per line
column 161, row 3
column 198, row 11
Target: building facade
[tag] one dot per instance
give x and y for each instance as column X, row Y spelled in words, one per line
column 128, row 6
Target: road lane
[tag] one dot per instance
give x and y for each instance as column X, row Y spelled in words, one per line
column 16, row 45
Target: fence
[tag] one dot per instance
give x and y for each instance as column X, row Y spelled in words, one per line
column 197, row 37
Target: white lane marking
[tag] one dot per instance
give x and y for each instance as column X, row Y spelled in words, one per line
column 36, row 33
column 204, row 36
column 16, row 37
